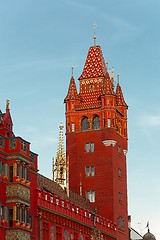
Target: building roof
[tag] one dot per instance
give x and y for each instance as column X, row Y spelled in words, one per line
column 120, row 97
column 54, row 188
column 95, row 65
column 149, row 236
column 72, row 91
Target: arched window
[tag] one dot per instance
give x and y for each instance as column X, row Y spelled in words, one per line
column 96, row 122
column 85, row 124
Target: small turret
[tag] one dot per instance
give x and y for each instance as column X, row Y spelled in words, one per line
column 72, row 90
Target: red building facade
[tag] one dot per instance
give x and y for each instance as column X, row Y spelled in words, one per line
column 95, row 205
column 96, row 140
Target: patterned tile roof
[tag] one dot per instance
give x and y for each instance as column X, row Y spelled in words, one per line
column 120, row 97
column 108, row 86
column 95, row 65
column 90, row 100
column 72, row 90
column 54, row 188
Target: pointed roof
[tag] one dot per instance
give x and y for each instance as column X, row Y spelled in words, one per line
column 108, row 85
column 120, row 97
column 72, row 91
column 95, row 65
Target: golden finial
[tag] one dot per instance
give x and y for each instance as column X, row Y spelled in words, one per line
column 7, row 103
column 94, row 37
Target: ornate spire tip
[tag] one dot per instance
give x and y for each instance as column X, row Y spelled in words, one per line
column 7, row 103
column 94, row 37
column 72, row 70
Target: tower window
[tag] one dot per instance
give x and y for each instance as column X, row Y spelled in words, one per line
column 90, row 171
column 90, row 147
column 96, row 123
column 120, row 172
column 120, row 196
column 1, row 212
column 90, row 195
column 121, row 222
column 119, row 149
column 73, row 127
column 109, row 122
column 85, row 124
column 3, row 169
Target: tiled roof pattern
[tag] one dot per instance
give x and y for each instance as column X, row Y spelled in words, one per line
column 109, row 86
column 89, row 101
column 72, row 90
column 54, row 188
column 95, row 65
column 1, row 118
column 120, row 97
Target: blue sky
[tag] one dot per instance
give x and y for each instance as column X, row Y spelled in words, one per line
column 41, row 40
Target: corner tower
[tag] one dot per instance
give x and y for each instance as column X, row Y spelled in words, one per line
column 96, row 140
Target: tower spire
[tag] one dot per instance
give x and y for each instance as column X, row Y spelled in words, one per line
column 59, row 167
column 72, row 70
column 94, row 36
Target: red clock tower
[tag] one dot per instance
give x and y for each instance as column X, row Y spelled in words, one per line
column 96, row 140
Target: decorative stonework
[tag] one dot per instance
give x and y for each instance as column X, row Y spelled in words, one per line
column 18, row 190
column 108, row 143
column 17, row 234
column 125, row 152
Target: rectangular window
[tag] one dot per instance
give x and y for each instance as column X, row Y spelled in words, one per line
column 73, row 127
column 89, row 147
column 32, row 157
column 11, row 173
column 5, row 169
column 90, row 195
column 10, row 217
column 68, row 127
column 87, row 171
column 109, row 122
column 1, row 212
column 92, row 147
column 90, row 171
column 18, row 213
column 119, row 149
column 120, row 172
